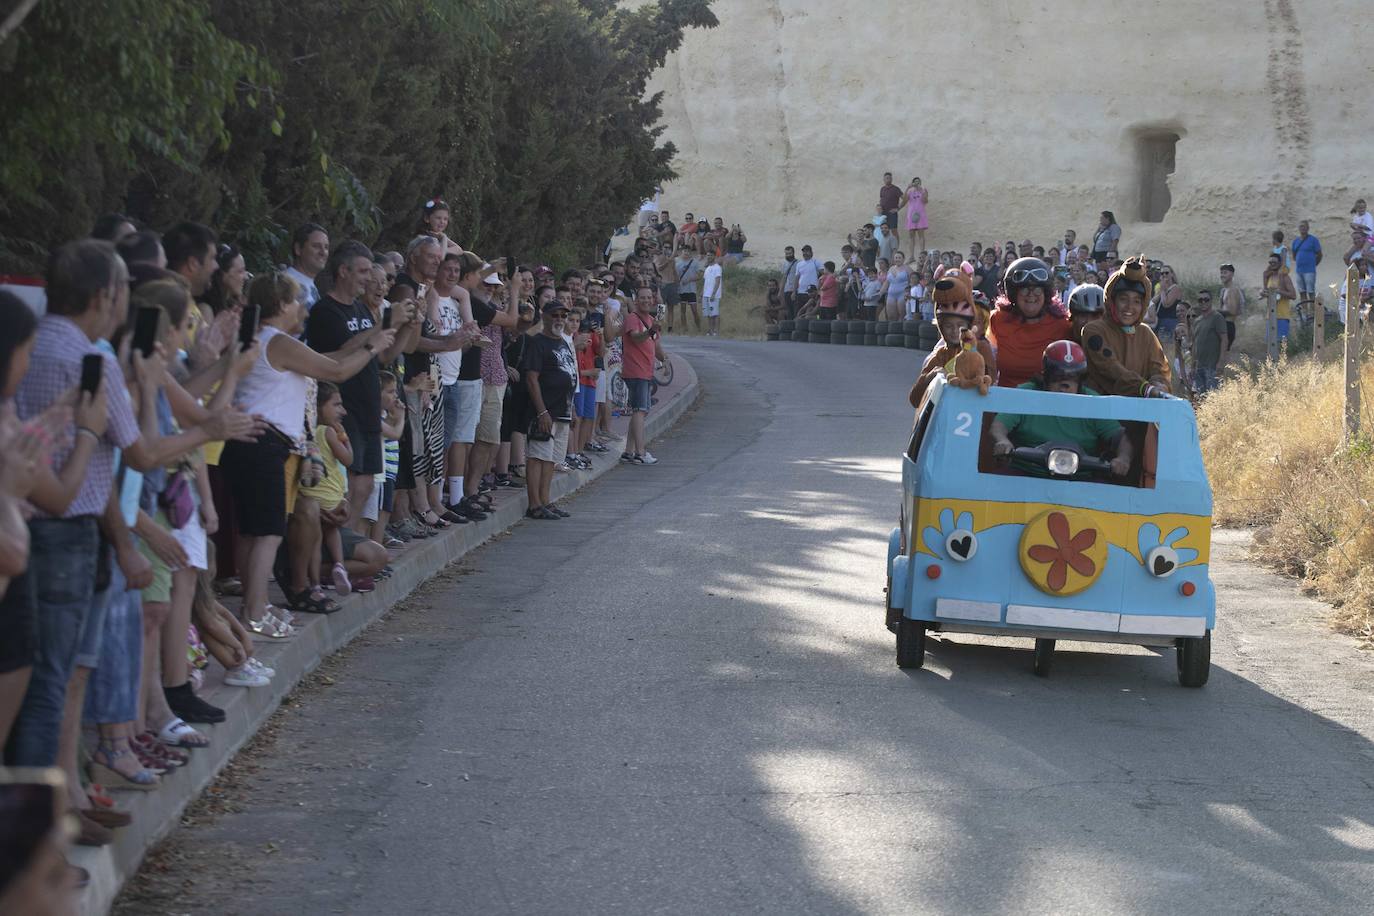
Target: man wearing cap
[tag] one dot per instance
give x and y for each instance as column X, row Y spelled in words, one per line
column 1209, row 343
column 1232, row 302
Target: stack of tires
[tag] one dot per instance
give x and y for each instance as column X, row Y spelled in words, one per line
column 910, row 335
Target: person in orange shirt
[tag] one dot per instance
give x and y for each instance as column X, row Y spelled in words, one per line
column 1028, row 318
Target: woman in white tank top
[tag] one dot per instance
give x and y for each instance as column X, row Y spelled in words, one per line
column 278, row 388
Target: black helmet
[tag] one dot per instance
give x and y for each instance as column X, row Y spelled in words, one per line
column 1025, row 272
column 1063, row 359
column 1086, row 299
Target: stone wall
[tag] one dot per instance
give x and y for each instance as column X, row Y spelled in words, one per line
column 1023, row 121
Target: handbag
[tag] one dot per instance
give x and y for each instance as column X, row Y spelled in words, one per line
column 176, row 499
column 536, row 435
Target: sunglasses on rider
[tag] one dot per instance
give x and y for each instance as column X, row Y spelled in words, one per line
column 1026, row 275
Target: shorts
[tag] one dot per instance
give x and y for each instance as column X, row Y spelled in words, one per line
column 669, row 293
column 584, row 402
column 489, row 422
column 462, row 410
column 374, row 499
column 601, row 391
column 710, row 306
column 551, row 450
column 255, row 473
column 367, row 448
column 825, row 314
column 687, row 296
column 514, row 411
column 191, row 537
column 1230, row 333
column 160, row 590
column 350, row 540
column 639, row 397
column 1307, row 284
column 1281, row 328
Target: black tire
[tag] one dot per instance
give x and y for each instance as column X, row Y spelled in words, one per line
column 1194, row 660
column 912, row 343
column 854, row 340
column 893, row 340
column 771, row 329
column 872, row 340
column 911, row 328
column 911, row 643
column 880, row 328
column 819, row 338
column 819, row 327
column 801, row 336
column 770, row 335
column 871, row 327
column 840, row 339
column 787, row 325
column 839, row 326
column 1044, row 657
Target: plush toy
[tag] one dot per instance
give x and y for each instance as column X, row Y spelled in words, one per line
column 970, row 370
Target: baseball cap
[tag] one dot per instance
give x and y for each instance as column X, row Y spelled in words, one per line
column 554, row 305
column 491, row 279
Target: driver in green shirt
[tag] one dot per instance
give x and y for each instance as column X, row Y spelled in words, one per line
column 1063, row 366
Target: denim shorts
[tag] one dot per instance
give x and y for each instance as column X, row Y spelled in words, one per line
column 112, row 695
column 585, row 402
column 462, row 410
column 640, row 399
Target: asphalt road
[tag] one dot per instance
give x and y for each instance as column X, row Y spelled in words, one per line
column 683, row 700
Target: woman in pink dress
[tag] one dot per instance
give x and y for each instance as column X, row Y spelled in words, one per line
column 914, row 199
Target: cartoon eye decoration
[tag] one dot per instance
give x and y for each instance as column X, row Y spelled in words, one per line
column 1161, row 562
column 954, row 538
column 1160, row 555
column 961, row 545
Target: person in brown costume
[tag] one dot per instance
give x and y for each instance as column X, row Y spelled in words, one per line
column 1124, row 356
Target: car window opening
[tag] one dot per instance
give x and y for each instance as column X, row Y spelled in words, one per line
column 1082, row 449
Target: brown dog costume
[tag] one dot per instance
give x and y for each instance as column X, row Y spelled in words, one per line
column 1124, row 359
column 953, row 296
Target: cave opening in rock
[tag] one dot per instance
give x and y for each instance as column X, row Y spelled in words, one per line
column 1155, row 155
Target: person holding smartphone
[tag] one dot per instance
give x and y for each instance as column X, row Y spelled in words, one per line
column 640, row 346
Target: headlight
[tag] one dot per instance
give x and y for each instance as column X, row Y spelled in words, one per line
column 961, row 545
column 1063, row 462
column 1161, row 562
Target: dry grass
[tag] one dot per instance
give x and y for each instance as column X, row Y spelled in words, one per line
column 741, row 304
column 1272, row 440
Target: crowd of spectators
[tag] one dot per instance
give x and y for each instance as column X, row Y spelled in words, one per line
column 174, row 430
column 684, row 264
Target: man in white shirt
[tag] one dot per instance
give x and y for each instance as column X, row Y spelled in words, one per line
column 309, row 251
column 808, row 271
column 711, row 280
column 650, row 205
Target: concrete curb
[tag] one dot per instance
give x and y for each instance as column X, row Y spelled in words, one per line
column 156, row 813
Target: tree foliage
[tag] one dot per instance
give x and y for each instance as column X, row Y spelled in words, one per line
column 528, row 116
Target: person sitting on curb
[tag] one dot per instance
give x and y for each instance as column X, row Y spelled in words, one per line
column 1124, row 356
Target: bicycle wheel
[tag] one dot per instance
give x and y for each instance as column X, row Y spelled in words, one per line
column 663, row 373
column 619, row 393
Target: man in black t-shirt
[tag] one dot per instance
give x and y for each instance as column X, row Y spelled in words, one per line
column 550, row 373
column 339, row 323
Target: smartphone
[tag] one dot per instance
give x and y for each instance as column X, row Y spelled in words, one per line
column 146, row 324
column 386, row 316
column 248, row 326
column 92, row 371
column 510, row 265
column 31, row 802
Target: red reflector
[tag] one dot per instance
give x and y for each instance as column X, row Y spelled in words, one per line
column 1188, row 589
column 932, row 571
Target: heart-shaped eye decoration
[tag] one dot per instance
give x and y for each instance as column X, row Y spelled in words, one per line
column 1161, row 561
column 961, row 544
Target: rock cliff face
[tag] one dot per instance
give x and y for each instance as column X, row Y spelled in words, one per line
column 1026, row 120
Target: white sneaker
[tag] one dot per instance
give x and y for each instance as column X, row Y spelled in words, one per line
column 243, row 676
column 647, row 458
column 254, row 665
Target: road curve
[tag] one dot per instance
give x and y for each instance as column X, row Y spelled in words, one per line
column 683, row 700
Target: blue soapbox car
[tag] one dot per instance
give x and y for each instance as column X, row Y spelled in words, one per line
column 1052, row 545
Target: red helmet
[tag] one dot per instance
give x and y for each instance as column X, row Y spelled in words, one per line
column 1064, row 359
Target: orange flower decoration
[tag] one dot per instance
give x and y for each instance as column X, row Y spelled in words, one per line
column 1066, row 553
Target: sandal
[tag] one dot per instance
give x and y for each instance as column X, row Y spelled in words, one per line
column 271, row 626
column 320, row 603
column 516, row 470
column 148, row 742
column 141, row 780
column 541, row 513
column 438, row 522
column 339, row 575
column 177, row 733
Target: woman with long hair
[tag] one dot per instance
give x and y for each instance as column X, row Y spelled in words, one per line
column 229, row 281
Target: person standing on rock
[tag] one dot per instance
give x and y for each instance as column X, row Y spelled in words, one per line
column 914, row 202
column 889, row 201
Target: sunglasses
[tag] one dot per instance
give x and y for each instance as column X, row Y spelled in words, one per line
column 1026, row 275
column 1203, row 299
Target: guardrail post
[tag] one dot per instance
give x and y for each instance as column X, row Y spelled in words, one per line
column 1318, row 326
column 1352, row 353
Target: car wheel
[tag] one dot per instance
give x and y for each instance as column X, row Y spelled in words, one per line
column 911, row 643
column 1194, row 660
column 1044, row 657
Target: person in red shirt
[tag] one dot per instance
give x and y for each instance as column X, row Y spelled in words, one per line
column 1028, row 318
column 640, row 346
column 830, row 292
